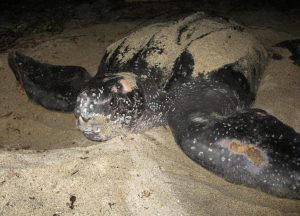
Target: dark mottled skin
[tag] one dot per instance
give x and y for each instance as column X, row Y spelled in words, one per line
column 53, row 87
column 209, row 115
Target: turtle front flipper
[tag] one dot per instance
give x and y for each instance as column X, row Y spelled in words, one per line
column 249, row 147
column 52, row 86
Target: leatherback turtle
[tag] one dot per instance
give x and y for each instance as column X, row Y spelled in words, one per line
column 199, row 75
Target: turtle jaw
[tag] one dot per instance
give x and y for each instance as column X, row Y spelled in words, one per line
column 98, row 128
column 91, row 132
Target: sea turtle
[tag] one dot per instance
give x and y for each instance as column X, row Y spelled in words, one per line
column 199, row 75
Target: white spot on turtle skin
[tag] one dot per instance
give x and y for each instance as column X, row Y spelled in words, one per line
column 223, row 159
column 193, row 147
column 209, row 149
column 84, row 110
column 200, row 153
column 198, row 119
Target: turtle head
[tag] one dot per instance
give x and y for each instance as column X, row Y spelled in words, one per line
column 109, row 106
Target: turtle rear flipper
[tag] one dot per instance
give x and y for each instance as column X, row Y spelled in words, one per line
column 294, row 47
column 52, row 86
column 249, row 147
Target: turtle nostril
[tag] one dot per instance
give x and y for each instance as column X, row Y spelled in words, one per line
column 85, row 119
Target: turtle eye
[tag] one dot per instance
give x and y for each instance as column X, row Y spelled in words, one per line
column 113, row 103
column 118, row 86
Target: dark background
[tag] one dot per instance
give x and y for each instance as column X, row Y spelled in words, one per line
column 21, row 18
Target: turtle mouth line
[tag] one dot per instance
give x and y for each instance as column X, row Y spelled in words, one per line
column 93, row 136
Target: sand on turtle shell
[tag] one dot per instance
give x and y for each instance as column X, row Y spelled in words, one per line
column 62, row 173
column 214, row 42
